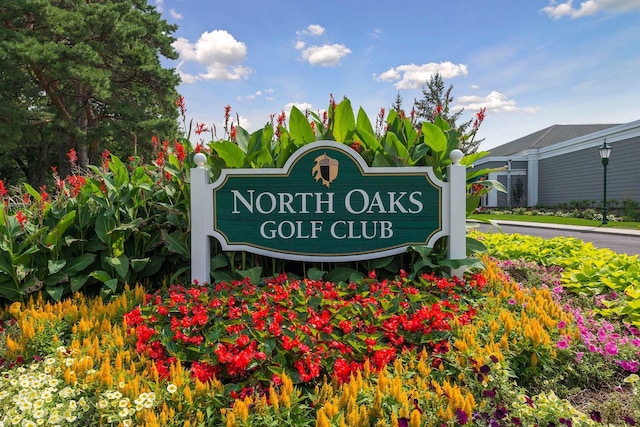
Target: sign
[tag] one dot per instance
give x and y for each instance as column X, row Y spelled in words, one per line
column 325, row 204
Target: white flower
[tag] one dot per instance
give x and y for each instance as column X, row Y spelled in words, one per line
column 55, row 418
column 172, row 388
column 25, row 406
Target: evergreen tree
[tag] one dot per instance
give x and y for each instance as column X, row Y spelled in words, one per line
column 436, row 101
column 82, row 75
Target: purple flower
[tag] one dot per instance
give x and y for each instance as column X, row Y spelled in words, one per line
column 500, row 413
column 461, row 417
column 563, row 344
column 489, row 393
column 596, row 416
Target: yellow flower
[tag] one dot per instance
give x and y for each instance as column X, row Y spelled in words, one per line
column 14, row 309
column 632, row 379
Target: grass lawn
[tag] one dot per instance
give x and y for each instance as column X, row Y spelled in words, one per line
column 555, row 220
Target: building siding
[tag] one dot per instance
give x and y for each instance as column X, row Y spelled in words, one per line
column 579, row 175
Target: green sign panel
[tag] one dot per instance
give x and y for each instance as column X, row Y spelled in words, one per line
column 327, row 204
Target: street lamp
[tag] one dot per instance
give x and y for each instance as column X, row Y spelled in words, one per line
column 605, row 152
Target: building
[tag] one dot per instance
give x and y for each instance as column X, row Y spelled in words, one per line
column 561, row 164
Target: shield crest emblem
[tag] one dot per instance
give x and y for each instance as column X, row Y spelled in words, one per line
column 325, row 169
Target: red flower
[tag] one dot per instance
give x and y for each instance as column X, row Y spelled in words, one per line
column 203, row 371
column 346, row 326
column 3, row 189
column 180, row 152
column 233, row 135
column 22, row 219
column 181, row 106
column 106, row 157
column 73, row 157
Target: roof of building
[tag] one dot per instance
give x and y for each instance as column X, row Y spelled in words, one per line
column 546, row 137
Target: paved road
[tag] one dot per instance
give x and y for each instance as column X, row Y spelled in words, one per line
column 621, row 241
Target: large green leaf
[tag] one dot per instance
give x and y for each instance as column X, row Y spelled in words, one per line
column 78, row 282
column 299, row 127
column 242, row 139
column 104, row 225
column 55, row 265
column 120, row 172
column 340, row 274
column 363, row 123
column 177, row 244
column 232, row 155
column 54, row 237
column 138, row 264
column 55, row 292
column 381, row 160
column 252, row 273
column 344, row 121
column 396, row 150
column 120, row 264
column 434, row 137
column 368, row 139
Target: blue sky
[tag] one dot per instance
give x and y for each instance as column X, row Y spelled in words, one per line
column 531, row 63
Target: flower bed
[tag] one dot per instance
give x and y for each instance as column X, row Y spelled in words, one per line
column 483, row 351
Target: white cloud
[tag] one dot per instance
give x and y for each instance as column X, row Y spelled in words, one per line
column 328, row 55
column 255, row 95
column 218, row 51
column 244, row 122
column 175, row 14
column 159, row 5
column 376, row 33
column 300, row 45
column 494, row 102
column 313, row 30
column 302, row 106
column 413, row 76
column 589, row 7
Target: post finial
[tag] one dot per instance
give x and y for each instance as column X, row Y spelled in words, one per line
column 456, row 156
column 200, row 160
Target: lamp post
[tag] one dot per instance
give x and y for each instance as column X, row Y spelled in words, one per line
column 605, row 152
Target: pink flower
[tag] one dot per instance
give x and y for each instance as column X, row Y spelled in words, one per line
column 611, row 348
column 562, row 324
column 563, row 344
column 579, row 355
column 629, row 365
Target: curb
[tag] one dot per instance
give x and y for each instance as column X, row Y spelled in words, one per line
column 581, row 228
